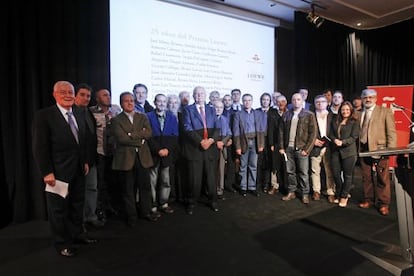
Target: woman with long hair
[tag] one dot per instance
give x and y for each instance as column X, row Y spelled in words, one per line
column 344, row 133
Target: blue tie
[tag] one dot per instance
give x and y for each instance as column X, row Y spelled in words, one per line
column 72, row 125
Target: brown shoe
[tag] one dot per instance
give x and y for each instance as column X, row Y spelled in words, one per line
column 289, row 196
column 273, row 191
column 343, row 202
column 316, row 196
column 384, row 210
column 365, row 204
column 331, row 198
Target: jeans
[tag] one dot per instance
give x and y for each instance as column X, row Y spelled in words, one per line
column 91, row 195
column 160, row 184
column 248, row 167
column 297, row 167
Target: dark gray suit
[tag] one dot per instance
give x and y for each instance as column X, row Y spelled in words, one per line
column 56, row 151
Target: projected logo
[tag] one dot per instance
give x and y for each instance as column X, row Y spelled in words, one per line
column 255, row 71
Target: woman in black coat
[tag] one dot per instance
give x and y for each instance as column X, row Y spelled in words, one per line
column 344, row 133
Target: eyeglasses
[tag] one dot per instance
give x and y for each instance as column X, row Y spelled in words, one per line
column 65, row 93
column 319, row 102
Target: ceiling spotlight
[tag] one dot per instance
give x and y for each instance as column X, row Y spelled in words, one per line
column 314, row 18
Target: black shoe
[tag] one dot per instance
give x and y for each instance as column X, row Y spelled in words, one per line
column 190, row 209
column 151, row 217
column 167, row 210
column 255, row 193
column 221, row 197
column 85, row 240
column 67, row 252
column 101, row 215
column 243, row 192
column 265, row 190
column 95, row 223
column 156, row 214
column 231, row 190
column 131, row 222
column 213, row 206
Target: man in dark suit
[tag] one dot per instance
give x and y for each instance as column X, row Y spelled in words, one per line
column 140, row 95
column 132, row 158
column 199, row 149
column 59, row 149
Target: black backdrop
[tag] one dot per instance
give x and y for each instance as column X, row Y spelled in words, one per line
column 45, row 41
column 342, row 58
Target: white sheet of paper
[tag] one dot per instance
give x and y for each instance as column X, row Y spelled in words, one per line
column 60, row 188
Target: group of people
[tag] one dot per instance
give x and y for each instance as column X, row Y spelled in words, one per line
column 145, row 155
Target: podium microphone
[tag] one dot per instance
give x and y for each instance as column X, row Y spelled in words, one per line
column 398, row 106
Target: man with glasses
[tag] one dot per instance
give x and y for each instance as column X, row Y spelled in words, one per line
column 377, row 132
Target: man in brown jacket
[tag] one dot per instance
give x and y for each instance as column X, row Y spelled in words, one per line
column 297, row 138
column 132, row 157
column 377, row 132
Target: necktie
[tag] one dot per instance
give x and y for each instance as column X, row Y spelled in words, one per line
column 72, row 125
column 161, row 119
column 364, row 130
column 203, row 117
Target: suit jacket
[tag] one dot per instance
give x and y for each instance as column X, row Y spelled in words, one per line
column 316, row 151
column 193, row 131
column 55, row 148
column 90, row 121
column 130, row 139
column 166, row 138
column 348, row 133
column 273, row 122
column 239, row 133
column 381, row 129
column 147, row 107
column 222, row 123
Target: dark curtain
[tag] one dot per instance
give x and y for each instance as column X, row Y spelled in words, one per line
column 42, row 42
column 339, row 57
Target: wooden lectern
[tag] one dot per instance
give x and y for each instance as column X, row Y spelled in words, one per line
column 397, row 260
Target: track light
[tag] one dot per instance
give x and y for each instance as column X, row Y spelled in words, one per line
column 314, row 18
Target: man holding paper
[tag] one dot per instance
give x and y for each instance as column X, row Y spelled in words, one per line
column 59, row 149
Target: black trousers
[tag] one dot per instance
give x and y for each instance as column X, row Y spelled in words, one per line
column 137, row 178
column 65, row 215
column 202, row 171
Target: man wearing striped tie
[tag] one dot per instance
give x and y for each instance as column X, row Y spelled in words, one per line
column 59, row 149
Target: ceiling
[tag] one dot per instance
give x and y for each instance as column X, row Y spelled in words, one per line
column 358, row 14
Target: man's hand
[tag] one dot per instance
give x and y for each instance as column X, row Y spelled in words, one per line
column 86, row 169
column 163, row 152
column 220, row 145
column 50, row 179
column 206, row 143
column 319, row 143
column 282, row 151
column 238, row 152
column 304, row 153
column 261, row 149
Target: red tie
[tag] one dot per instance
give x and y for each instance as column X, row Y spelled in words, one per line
column 203, row 116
